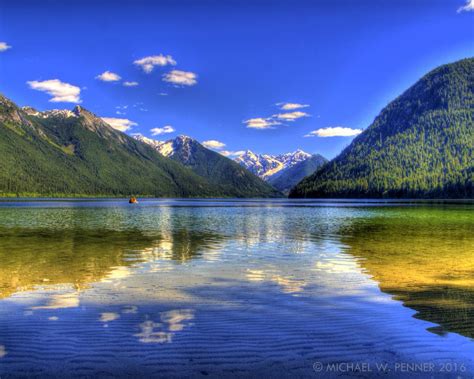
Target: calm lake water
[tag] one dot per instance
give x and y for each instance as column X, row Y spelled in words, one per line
column 246, row 288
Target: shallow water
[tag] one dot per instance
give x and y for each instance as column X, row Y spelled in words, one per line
column 245, row 288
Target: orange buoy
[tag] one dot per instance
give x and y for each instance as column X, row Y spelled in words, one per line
column 133, row 200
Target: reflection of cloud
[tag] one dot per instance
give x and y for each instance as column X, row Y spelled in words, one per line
column 175, row 318
column 117, row 273
column 108, row 316
column 59, row 301
column 3, row 351
column 338, row 264
column 162, row 332
column 287, row 284
column 149, row 335
column 130, row 309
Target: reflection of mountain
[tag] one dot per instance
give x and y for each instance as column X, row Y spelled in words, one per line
column 181, row 245
column 35, row 257
column 39, row 257
column 424, row 259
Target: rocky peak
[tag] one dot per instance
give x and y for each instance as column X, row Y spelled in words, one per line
column 91, row 121
column 267, row 165
column 10, row 112
column 30, row 111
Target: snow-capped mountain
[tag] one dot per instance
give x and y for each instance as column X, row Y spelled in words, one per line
column 265, row 166
column 182, row 143
column 62, row 113
column 149, row 141
column 211, row 165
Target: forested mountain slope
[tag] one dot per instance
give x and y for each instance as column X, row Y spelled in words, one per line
column 420, row 145
column 287, row 179
column 64, row 153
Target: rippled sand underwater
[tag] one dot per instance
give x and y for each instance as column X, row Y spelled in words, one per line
column 178, row 288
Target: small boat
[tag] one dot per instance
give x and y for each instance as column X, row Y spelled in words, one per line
column 133, row 200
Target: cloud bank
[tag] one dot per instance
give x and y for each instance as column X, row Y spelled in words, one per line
column 468, row 7
column 61, row 92
column 4, row 47
column 180, row 78
column 336, row 131
column 147, row 64
column 165, row 130
column 291, row 106
column 213, row 144
column 130, row 84
column 108, row 76
column 122, row 124
column 261, row 123
column 291, row 116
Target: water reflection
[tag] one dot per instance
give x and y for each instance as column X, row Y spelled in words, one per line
column 188, row 286
column 288, row 284
column 424, row 258
column 38, row 258
column 163, row 331
column 61, row 301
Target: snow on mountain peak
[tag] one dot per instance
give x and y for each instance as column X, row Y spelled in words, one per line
column 63, row 113
column 267, row 165
column 169, row 148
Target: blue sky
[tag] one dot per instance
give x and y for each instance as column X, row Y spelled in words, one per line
column 230, row 71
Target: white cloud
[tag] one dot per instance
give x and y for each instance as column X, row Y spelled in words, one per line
column 149, row 63
column 182, row 78
column 468, row 7
column 291, row 106
column 108, row 76
column 291, row 116
column 122, row 124
column 130, row 84
column 336, row 131
column 227, row 153
column 213, row 144
column 4, row 47
column 61, row 92
column 165, row 130
column 261, row 123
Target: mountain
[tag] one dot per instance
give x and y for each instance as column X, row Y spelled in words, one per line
column 265, row 166
column 420, row 145
column 286, row 179
column 73, row 153
column 213, row 167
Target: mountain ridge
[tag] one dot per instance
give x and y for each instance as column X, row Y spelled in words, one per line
column 266, row 165
column 212, row 166
column 420, row 145
column 76, row 153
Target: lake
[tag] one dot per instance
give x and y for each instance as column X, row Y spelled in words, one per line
column 236, row 288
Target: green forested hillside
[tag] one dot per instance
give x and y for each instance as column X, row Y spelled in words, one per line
column 288, row 178
column 420, row 145
column 219, row 170
column 79, row 154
